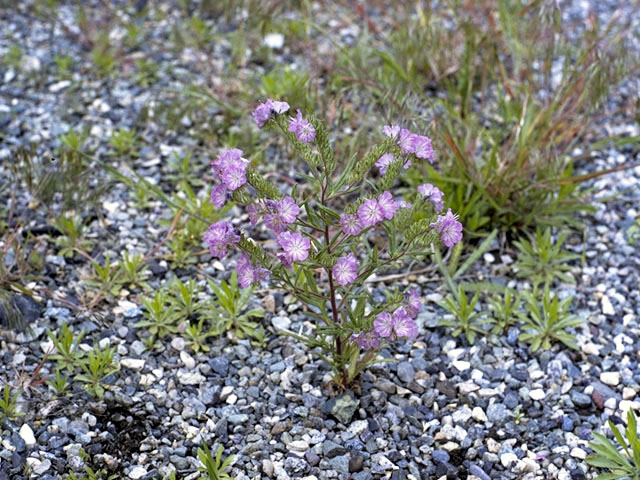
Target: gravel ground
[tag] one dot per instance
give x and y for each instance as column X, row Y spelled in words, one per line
column 442, row 408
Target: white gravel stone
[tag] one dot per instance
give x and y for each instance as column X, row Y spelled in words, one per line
column 147, row 379
column 358, row 427
column 188, row 360
column 225, row 392
column 537, row 394
column 610, row 378
column 456, row 353
column 607, row 307
column 461, row 365
column 577, row 452
column 56, row 87
column 133, row 363
column 479, row 415
column 298, row 446
column 628, row 393
column 626, row 405
column 467, row 387
column 462, row 414
column 27, row 435
column 280, row 323
column 274, row 40
column 42, row 467
column 591, row 349
column 178, row 343
column 507, row 459
column 190, row 378
column 137, row 472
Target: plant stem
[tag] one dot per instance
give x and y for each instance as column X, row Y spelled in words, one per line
column 334, row 308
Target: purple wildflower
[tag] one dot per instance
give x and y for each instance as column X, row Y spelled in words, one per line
column 288, row 209
column 230, row 168
column 433, row 193
column 391, row 130
column 406, row 141
column 345, row 270
column 278, row 107
column 366, row 340
column 387, row 205
column 383, row 162
column 244, row 269
column 263, row 112
column 422, row 147
column 247, row 273
column 234, row 176
column 383, row 324
column 449, row 228
column 228, row 158
column 254, row 211
column 403, row 324
column 275, row 222
column 370, row 213
column 413, row 302
column 295, row 246
column 219, row 195
column 350, row 224
column 220, row 236
column 305, row 132
column 286, row 261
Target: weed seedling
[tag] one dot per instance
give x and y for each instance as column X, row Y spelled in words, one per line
column 99, row 364
column 228, row 308
column 504, row 310
column 68, row 356
column 214, row 468
column 546, row 324
column 622, row 464
column 467, row 320
column 184, row 298
column 106, row 277
column 196, row 336
column 9, row 405
column 71, row 228
column 123, row 141
column 160, row 318
column 134, row 271
column 542, row 261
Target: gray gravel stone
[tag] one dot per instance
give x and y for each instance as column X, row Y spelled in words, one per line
column 498, row 413
column 406, row 372
column 340, row 464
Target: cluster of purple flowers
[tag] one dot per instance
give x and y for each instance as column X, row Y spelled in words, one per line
column 263, row 112
column 230, row 169
column 449, row 228
column 305, row 132
column 281, row 217
column 278, row 214
column 219, row 237
column 419, row 145
column 345, row 270
column 433, row 193
column 400, row 324
column 248, row 273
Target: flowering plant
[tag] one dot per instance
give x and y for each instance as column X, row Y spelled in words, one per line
column 323, row 250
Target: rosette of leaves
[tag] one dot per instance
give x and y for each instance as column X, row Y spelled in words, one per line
column 546, row 322
column 541, row 260
column 621, row 464
column 229, row 308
